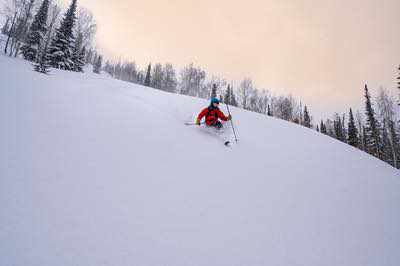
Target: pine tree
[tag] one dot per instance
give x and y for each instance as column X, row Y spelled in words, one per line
column 78, row 55
column 214, row 91
column 232, row 99
column 338, row 127
column 269, row 110
column 98, row 65
column 306, row 119
column 353, row 139
column 398, row 83
column 373, row 139
column 386, row 146
column 157, row 77
column 81, row 59
column 364, row 140
column 147, row 80
column 41, row 65
column 395, row 144
column 61, row 50
column 344, row 133
column 227, row 96
column 89, row 57
column 37, row 31
column 323, row 128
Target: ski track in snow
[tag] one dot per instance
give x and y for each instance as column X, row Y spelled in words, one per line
column 97, row 171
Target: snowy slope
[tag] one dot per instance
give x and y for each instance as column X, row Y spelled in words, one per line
column 101, row 172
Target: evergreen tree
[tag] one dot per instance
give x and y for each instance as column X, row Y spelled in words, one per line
column 344, row 133
column 228, row 95
column 395, row 144
column 398, row 83
column 386, row 146
column 323, row 128
column 36, row 33
column 353, row 139
column 214, row 91
column 140, row 78
column 157, row 77
column 306, row 119
column 147, row 80
column 61, row 49
column 78, row 55
column 338, row 127
column 269, row 110
column 81, row 59
column 373, row 139
column 42, row 65
column 98, row 64
column 233, row 98
column 89, row 57
column 364, row 140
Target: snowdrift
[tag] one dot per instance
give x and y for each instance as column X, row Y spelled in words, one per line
column 96, row 171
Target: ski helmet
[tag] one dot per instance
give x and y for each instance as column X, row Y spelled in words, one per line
column 214, row 100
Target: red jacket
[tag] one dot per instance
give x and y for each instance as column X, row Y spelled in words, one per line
column 212, row 114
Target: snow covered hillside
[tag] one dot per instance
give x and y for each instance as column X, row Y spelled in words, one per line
column 95, row 171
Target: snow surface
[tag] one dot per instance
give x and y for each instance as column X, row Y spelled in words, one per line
column 95, row 171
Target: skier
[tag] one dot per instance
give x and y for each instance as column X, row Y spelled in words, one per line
column 212, row 115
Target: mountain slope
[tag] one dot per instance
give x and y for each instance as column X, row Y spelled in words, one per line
column 101, row 172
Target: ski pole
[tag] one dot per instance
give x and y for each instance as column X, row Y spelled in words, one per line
column 193, row 124
column 233, row 128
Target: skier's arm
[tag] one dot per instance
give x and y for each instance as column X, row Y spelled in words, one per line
column 222, row 116
column 201, row 115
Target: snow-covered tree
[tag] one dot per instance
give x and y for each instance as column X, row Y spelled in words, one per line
column 78, row 54
column 36, row 33
column 6, row 27
column 18, row 32
column 97, row 66
column 53, row 18
column 245, row 89
column 169, row 82
column 86, row 27
column 229, row 96
column 386, row 145
column 284, row 108
column 385, row 105
column 192, row 81
column 372, row 128
column 61, row 50
column 147, row 80
column 157, row 77
column 398, row 82
column 307, row 118
column 322, row 128
column 89, row 56
column 269, row 110
column 395, row 144
column 352, row 138
column 214, row 91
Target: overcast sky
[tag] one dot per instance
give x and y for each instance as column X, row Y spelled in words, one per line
column 320, row 51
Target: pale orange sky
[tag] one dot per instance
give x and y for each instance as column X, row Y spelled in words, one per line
column 320, row 51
